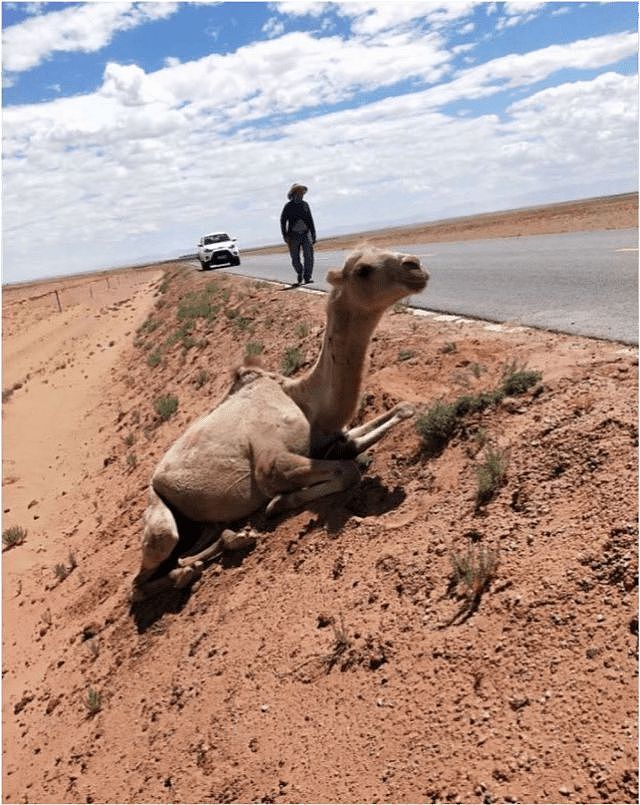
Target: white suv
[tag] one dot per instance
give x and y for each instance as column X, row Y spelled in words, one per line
column 216, row 249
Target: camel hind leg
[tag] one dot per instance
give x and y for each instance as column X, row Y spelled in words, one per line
column 159, row 539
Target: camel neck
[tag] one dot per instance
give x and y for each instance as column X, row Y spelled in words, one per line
column 329, row 392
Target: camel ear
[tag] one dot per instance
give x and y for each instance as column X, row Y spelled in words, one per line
column 335, row 277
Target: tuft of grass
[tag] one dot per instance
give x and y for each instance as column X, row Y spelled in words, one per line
column 199, row 304
column 491, row 474
column 405, row 354
column 400, row 307
column 291, row 360
column 13, row 536
column 243, row 323
column 472, row 403
column 437, row 425
column 201, row 378
column 448, row 346
column 132, row 461
column 148, row 326
column 518, row 379
column 166, row 406
column 93, row 702
column 129, row 439
column 188, row 341
column 177, row 335
column 153, row 359
column 302, row 330
column 61, row 571
column 253, row 349
column 164, row 285
column 473, row 572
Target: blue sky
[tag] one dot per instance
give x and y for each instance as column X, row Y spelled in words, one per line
column 130, row 129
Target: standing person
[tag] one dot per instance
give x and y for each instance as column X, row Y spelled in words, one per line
column 299, row 232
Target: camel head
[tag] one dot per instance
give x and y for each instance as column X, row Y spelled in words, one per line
column 374, row 279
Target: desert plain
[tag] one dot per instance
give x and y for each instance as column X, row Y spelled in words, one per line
column 347, row 657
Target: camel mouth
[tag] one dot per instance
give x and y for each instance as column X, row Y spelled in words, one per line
column 417, row 281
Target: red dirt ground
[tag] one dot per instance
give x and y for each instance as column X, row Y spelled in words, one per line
column 326, row 665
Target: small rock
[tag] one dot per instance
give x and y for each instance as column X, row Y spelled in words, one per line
column 264, row 708
column 565, row 791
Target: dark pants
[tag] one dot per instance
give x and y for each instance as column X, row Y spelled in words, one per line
column 297, row 242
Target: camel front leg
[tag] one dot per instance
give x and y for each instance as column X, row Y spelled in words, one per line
column 303, row 479
column 355, row 441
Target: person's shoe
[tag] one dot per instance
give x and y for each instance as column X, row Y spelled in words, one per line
column 306, row 282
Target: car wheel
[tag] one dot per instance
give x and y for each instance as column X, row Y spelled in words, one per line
column 235, row 261
column 203, row 265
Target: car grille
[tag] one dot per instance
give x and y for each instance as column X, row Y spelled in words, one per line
column 221, row 257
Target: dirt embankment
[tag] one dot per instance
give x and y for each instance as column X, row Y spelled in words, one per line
column 342, row 659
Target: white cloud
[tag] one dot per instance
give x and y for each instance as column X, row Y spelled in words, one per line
column 300, row 9
column 87, row 27
column 273, row 27
column 368, row 19
column 519, row 12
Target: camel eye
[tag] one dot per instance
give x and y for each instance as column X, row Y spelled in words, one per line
column 364, row 270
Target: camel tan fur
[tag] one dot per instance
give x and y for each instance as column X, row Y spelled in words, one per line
column 275, row 441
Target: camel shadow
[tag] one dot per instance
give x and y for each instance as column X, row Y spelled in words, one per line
column 150, row 610
column 370, row 498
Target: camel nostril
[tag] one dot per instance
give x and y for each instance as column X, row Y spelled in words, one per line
column 411, row 262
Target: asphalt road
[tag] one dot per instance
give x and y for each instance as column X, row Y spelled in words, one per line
column 584, row 283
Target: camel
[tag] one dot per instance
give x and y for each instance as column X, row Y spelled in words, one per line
column 276, row 441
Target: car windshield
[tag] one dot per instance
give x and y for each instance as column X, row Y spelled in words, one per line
column 219, row 238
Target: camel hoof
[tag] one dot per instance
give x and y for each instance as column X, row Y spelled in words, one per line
column 238, row 540
column 405, row 410
column 183, row 576
column 276, row 505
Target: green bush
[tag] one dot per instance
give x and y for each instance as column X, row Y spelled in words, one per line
column 12, row 536
column 253, row 349
column 153, row 359
column 437, row 425
column 291, row 360
column 166, row 406
column 491, row 474
column 518, row 379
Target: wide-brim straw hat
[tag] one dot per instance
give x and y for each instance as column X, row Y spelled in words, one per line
column 295, row 189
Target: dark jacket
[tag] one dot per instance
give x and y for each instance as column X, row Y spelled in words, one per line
column 295, row 210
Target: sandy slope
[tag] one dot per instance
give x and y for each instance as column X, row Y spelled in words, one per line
column 242, row 690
